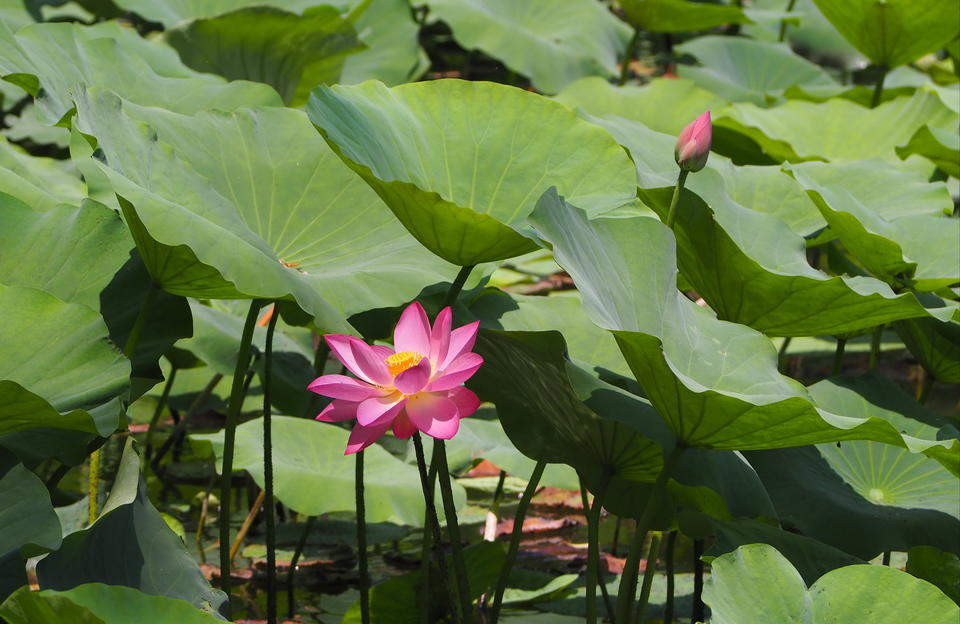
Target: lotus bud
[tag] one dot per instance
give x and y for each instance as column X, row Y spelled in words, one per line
column 693, row 144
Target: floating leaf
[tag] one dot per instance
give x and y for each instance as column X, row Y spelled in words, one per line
column 308, row 458
column 893, row 32
column 755, row 583
column 746, row 70
column 466, row 204
column 552, row 46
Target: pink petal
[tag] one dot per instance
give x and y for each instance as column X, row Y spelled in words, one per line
column 440, row 335
column 462, row 340
column 341, row 346
column 377, row 409
column 457, row 372
column 434, row 414
column 343, row 387
column 338, row 410
column 368, row 359
column 402, row 427
column 381, row 352
column 361, row 437
column 413, row 331
column 466, row 401
column 413, row 379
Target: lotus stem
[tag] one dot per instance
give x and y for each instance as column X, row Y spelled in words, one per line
column 247, row 523
column 229, row 438
column 648, row 574
column 270, row 506
column 668, row 569
column 628, row 581
column 698, row 608
column 453, row 528
column 202, row 520
column 875, row 347
column 783, row 22
column 155, row 419
column 593, row 547
column 362, row 541
column 93, row 487
column 515, row 536
column 291, row 573
column 672, row 213
column 886, row 558
column 133, row 338
column 457, row 285
column 923, row 390
column 838, row 356
column 628, row 55
column 878, row 88
column 432, row 521
column 197, row 403
column 782, row 354
column 616, row 537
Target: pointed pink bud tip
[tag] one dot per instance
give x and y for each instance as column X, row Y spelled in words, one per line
column 693, row 144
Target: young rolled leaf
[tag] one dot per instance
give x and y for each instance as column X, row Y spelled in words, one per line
column 716, row 384
column 469, row 205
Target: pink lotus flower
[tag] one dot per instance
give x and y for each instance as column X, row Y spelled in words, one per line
column 693, row 144
column 415, row 386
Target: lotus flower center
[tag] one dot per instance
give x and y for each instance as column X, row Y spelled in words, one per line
column 399, row 362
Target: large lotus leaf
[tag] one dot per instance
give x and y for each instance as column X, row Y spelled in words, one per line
column 756, row 584
column 272, row 212
column 308, row 458
column 59, row 58
column 814, row 33
column 902, row 81
column 462, row 164
column 393, row 53
column 919, row 250
column 96, row 603
column 812, row 559
column 485, row 439
column 172, row 13
column 828, row 492
column 894, row 32
column 936, row 344
column 746, row 70
column 715, row 383
column 131, row 545
column 57, row 364
column 940, row 145
column 30, row 525
column 937, row 567
column 665, row 105
column 762, row 278
column 837, row 129
column 555, row 411
column 550, row 44
column 71, row 253
column 41, row 183
column 680, row 15
column 291, row 53
column 585, row 341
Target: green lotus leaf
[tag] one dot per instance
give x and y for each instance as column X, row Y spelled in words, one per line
column 831, row 493
column 393, row 53
column 551, row 45
column 919, row 250
column 461, row 187
column 745, row 70
column 665, row 105
column 893, row 32
column 555, row 411
column 308, row 458
column 30, row 525
column 291, row 53
column 811, row 558
column 680, row 15
column 715, row 383
column 59, row 58
column 58, row 365
column 936, row 344
column 937, row 567
column 41, row 183
column 764, row 279
column 813, row 33
column 173, row 13
column 902, row 81
column 836, row 129
column 755, row 583
column 96, row 603
column 937, row 144
column 129, row 545
column 272, row 212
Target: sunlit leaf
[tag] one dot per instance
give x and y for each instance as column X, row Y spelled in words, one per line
column 680, row 15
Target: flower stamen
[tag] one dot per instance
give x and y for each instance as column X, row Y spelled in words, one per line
column 399, row 362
